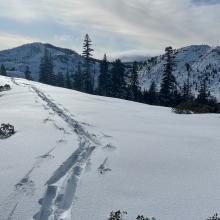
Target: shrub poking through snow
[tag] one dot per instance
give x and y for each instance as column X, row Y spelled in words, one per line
column 6, row 130
column 214, row 217
column 118, row 215
column 5, row 88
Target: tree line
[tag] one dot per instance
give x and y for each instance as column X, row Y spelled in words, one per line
column 119, row 81
column 116, row 79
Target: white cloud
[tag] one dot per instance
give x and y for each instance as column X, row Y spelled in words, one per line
column 10, row 40
column 137, row 24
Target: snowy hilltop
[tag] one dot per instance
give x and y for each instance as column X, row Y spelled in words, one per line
column 16, row 60
column 204, row 63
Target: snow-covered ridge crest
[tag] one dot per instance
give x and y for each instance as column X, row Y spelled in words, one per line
column 203, row 59
column 17, row 59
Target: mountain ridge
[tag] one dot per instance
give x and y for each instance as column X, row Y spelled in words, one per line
column 203, row 59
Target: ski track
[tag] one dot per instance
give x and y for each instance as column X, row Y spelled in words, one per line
column 12, row 212
column 62, row 185
column 75, row 125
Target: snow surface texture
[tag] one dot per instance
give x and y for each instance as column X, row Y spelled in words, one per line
column 78, row 156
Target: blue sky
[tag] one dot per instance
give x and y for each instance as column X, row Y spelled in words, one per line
column 117, row 27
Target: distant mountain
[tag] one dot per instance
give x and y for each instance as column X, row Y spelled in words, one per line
column 203, row 59
column 17, row 59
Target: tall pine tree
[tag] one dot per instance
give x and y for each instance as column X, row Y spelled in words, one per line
column 87, row 84
column 134, row 88
column 152, row 94
column 118, row 76
column 104, row 80
column 168, row 84
column 204, row 93
column 186, row 93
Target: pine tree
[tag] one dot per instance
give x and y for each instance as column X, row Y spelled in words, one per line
column 78, row 78
column 168, row 84
column 87, row 85
column 43, row 75
column 204, row 93
column 60, row 80
column 3, row 71
column 119, row 89
column 185, row 92
column 152, row 94
column 104, row 78
column 134, row 88
column 187, row 87
column 27, row 73
column 51, row 76
column 46, row 74
column 68, row 80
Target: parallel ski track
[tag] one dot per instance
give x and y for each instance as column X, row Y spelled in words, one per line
column 57, row 200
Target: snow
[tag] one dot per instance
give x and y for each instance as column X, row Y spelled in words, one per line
column 204, row 61
column 83, row 156
column 17, row 59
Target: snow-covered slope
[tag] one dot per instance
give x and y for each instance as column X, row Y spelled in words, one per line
column 204, row 62
column 78, row 156
column 16, row 60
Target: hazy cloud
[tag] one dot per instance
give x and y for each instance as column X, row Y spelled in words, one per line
column 116, row 26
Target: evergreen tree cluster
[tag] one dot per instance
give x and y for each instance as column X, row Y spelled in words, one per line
column 119, row 80
column 116, row 82
column 46, row 74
